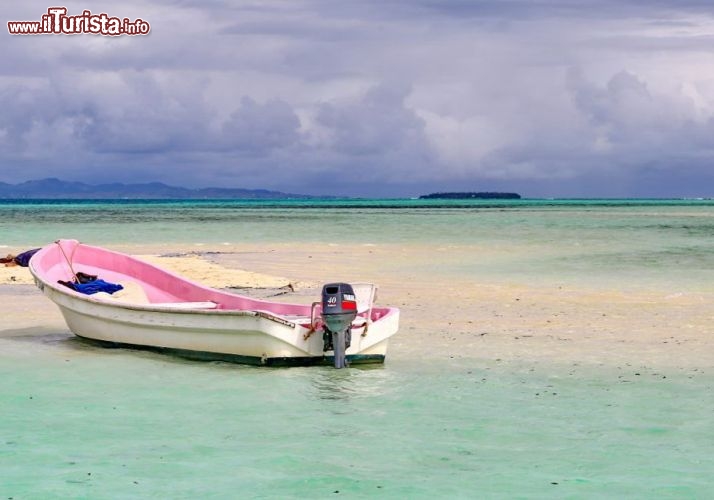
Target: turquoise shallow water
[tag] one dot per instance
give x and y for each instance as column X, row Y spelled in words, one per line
column 353, row 221
column 82, row 422
column 604, row 241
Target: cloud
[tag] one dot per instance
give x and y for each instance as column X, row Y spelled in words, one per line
column 630, row 122
column 374, row 124
column 362, row 98
column 258, row 128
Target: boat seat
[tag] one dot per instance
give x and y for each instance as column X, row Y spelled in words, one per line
column 133, row 293
column 134, row 298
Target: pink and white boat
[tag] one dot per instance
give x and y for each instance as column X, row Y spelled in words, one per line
column 161, row 311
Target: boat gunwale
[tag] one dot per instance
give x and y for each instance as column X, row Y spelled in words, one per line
column 149, row 307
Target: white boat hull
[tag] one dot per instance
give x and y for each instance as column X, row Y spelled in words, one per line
column 245, row 336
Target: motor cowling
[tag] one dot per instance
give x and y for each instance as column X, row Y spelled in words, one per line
column 339, row 310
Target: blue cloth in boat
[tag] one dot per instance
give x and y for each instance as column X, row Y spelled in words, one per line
column 92, row 287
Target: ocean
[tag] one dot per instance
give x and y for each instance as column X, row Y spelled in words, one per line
column 625, row 240
column 84, row 422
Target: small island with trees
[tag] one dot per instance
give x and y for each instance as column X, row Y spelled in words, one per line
column 468, row 196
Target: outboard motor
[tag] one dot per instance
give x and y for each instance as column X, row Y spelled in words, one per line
column 339, row 309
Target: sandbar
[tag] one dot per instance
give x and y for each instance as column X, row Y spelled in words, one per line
column 442, row 316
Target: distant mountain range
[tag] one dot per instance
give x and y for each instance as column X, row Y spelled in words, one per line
column 55, row 189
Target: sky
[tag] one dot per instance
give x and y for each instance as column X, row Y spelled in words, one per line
column 373, row 98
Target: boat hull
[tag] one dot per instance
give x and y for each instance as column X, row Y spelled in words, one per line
column 353, row 359
column 249, row 336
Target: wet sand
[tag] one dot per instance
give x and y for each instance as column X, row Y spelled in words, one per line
column 442, row 315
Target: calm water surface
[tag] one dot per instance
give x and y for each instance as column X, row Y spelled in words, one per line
column 601, row 241
column 82, row 422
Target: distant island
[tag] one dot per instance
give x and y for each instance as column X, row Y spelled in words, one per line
column 468, row 196
column 58, row 189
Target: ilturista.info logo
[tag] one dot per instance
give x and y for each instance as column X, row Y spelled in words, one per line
column 58, row 22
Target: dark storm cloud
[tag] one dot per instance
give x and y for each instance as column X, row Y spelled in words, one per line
column 374, row 124
column 259, row 128
column 551, row 97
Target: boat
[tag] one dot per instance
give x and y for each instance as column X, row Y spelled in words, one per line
column 161, row 311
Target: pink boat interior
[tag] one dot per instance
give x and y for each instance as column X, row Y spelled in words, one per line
column 59, row 261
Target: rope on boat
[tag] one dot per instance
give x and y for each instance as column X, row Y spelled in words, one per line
column 68, row 260
column 309, row 333
column 313, row 321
